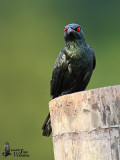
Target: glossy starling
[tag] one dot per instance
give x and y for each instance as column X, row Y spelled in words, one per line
column 73, row 67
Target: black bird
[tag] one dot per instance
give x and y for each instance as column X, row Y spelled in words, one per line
column 7, row 150
column 73, row 67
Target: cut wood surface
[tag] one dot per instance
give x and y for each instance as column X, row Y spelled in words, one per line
column 86, row 125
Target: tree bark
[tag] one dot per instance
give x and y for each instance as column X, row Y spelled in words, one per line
column 86, row 125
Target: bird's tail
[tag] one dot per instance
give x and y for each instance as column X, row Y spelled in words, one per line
column 46, row 127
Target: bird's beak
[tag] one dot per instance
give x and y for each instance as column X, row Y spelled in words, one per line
column 70, row 30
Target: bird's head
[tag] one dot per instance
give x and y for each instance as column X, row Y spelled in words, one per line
column 73, row 32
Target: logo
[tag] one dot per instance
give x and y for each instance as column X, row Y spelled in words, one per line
column 20, row 153
column 7, row 150
column 15, row 152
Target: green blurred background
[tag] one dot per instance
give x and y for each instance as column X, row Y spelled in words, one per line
column 31, row 36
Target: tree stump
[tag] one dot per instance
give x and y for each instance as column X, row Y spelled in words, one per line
column 86, row 125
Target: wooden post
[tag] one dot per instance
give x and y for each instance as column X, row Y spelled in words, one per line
column 86, row 125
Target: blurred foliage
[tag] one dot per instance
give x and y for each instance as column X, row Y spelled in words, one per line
column 31, row 36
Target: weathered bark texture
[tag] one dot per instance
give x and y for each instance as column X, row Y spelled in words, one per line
column 86, row 125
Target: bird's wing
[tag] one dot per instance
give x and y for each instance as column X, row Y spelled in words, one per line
column 91, row 51
column 88, row 74
column 94, row 61
column 58, row 75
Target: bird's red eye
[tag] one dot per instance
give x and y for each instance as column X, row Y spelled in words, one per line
column 78, row 29
column 65, row 30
